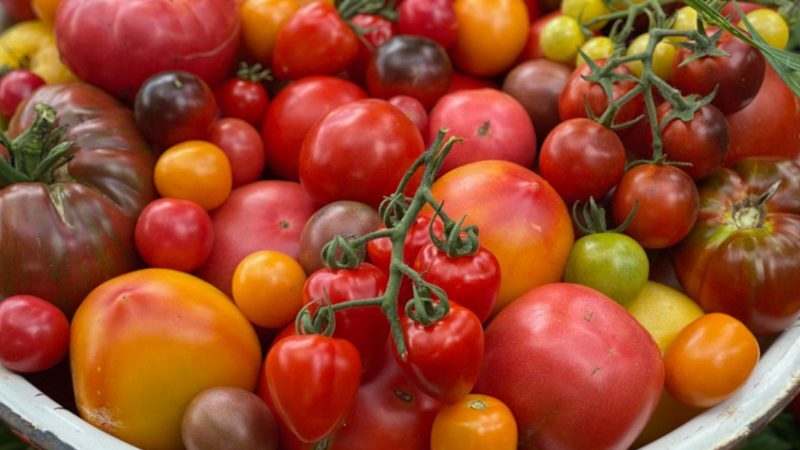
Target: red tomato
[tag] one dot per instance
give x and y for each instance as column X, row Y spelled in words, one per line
column 433, row 19
column 463, row 82
column 15, row 86
column 414, row 109
column 174, row 234
column 243, row 99
column 111, row 43
column 294, row 111
column 472, row 281
column 444, row 359
column 377, row 30
column 265, row 215
column 34, row 334
column 581, row 159
column 576, row 370
column 314, row 41
column 243, row 146
column 365, row 327
column 667, row 202
column 312, row 382
column 359, row 151
column 493, row 124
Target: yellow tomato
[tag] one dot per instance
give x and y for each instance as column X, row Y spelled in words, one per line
column 663, row 311
column 32, row 45
column 268, row 288
column 561, row 38
column 585, row 11
column 685, row 19
column 491, row 34
column 770, row 25
column 663, row 56
column 194, row 170
column 45, row 10
column 145, row 343
column 476, row 422
column 261, row 22
column 598, row 47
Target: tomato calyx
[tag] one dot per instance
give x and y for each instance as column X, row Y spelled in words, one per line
column 35, row 154
column 382, row 8
column 593, row 218
column 255, row 73
column 750, row 212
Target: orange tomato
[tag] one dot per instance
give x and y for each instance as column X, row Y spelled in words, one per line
column 491, row 34
column 268, row 288
column 145, row 343
column 709, row 360
column 45, row 10
column 261, row 22
column 194, row 170
column 476, row 422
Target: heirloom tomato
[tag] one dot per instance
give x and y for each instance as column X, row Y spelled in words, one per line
column 34, row 334
column 194, row 170
column 663, row 311
column 476, row 422
column 31, row 45
column 522, row 220
column 741, row 258
column 537, row 85
column 72, row 227
column 145, row 343
column 261, row 22
column 111, row 43
column 575, row 369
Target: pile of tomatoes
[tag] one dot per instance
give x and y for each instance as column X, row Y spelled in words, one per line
column 185, row 185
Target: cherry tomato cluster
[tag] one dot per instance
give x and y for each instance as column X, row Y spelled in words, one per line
column 412, row 224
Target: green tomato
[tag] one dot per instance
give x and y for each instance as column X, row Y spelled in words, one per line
column 612, row 263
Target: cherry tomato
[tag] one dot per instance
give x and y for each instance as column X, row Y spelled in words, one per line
column 533, row 48
column 433, row 19
column 243, row 147
column 414, row 109
column 380, row 250
column 377, row 30
column 261, row 22
column 663, row 311
column 702, row 142
column 663, row 56
column 243, row 98
column 15, row 86
column 194, row 170
column 598, row 47
column 174, row 234
column 561, row 38
column 584, row 11
column 34, row 334
column 770, row 25
column 537, row 85
column 312, row 382
column 476, row 422
column 709, row 360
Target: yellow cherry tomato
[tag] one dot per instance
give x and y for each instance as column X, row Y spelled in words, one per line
column 45, row 10
column 268, row 288
column 598, row 47
column 32, row 45
column 663, row 311
column 709, row 360
column 585, row 11
column 145, row 343
column 194, row 170
column 770, row 25
column 491, row 34
column 685, row 19
column 261, row 22
column 663, row 56
column 476, row 422
column 561, row 38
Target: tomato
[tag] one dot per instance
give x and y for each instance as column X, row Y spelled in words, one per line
column 34, row 334
column 15, row 86
column 769, row 125
column 412, row 108
column 663, row 311
column 32, row 42
column 667, row 203
column 261, row 22
column 265, row 215
column 294, row 111
column 243, row 147
column 738, row 75
column 560, row 39
column 312, row 382
column 585, row 11
column 74, row 228
column 376, row 31
column 365, row 327
column 663, row 56
column 410, row 65
column 709, row 360
column 314, row 41
column 433, row 19
column 741, row 257
column 474, row 422
column 197, row 36
column 537, row 85
column 174, row 234
column 492, row 123
column 418, row 236
column 533, row 49
column 581, row 158
column 376, row 136
column 465, row 82
column 194, row 170
column 443, row 359
column 243, row 97
column 45, row 10
column 491, row 34
column 156, row 331
column 342, row 218
column 575, row 369
column 522, row 220
column 598, row 47
column 770, row 25
column 18, row 10
column 267, row 287
column 472, row 281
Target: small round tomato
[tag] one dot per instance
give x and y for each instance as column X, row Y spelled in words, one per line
column 476, row 422
column 261, row 22
column 533, row 48
column 174, row 234
column 243, row 97
column 584, row 11
column 663, row 311
column 709, row 360
column 433, row 19
column 243, row 146
column 412, row 108
column 702, row 142
column 770, row 25
column 194, row 170
column 663, row 56
column 598, row 47
column 34, row 334
column 15, row 86
column 561, row 38
column 377, row 30
column 268, row 288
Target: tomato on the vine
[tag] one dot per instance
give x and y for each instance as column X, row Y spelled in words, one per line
column 243, row 96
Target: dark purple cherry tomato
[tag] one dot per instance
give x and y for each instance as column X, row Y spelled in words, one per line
column 433, row 19
column 701, row 142
column 34, row 334
column 15, row 86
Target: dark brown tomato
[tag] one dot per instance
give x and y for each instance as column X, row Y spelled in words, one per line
column 701, row 142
